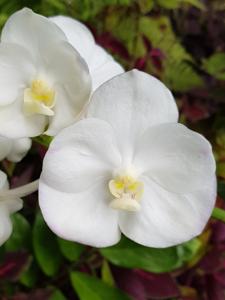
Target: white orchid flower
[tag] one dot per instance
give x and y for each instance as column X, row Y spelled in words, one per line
column 14, row 149
column 8, row 206
column 44, row 81
column 129, row 167
column 102, row 66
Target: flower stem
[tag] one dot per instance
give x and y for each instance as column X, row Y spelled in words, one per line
column 218, row 214
column 21, row 191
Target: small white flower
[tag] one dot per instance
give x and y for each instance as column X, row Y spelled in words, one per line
column 8, row 206
column 44, row 82
column 14, row 149
column 102, row 66
column 129, row 167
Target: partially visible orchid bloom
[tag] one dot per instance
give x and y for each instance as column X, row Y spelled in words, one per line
column 14, row 149
column 128, row 167
column 44, row 81
column 102, row 66
column 8, row 206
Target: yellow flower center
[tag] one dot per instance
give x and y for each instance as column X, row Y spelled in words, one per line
column 39, row 99
column 127, row 192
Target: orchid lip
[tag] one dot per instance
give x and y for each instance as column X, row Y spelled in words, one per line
column 39, row 98
column 127, row 192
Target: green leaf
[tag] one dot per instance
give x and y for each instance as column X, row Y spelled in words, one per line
column 107, row 276
column 215, row 65
column 220, row 169
column 57, row 295
column 189, row 250
column 70, row 250
column 196, row 3
column 44, row 140
column 146, row 5
column 29, row 277
column 131, row 255
column 179, row 73
column 21, row 235
column 92, row 288
column 171, row 4
column 46, row 247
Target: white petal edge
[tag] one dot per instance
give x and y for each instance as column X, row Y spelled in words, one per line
column 14, row 124
column 19, row 149
column 5, row 224
column 79, row 36
column 102, row 66
column 31, row 31
column 104, row 73
column 177, row 158
column 84, row 217
column 7, row 207
column 5, row 147
column 168, row 219
column 131, row 103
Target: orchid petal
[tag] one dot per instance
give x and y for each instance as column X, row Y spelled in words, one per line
column 14, row 149
column 7, row 207
column 72, row 84
column 131, row 103
column 5, row 147
column 177, row 158
column 77, row 157
column 101, row 65
column 14, row 124
column 31, row 31
column 17, row 68
column 82, row 217
column 19, row 149
column 79, row 36
column 168, row 219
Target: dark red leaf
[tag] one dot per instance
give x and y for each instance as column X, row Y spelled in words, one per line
column 13, row 265
column 214, row 289
column 142, row 285
column 40, row 294
column 106, row 40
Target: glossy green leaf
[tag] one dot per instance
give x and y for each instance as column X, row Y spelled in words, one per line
column 45, row 247
column 70, row 250
column 21, row 235
column 92, row 288
column 131, row 255
column 215, row 65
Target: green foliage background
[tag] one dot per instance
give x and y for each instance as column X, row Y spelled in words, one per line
column 155, row 36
